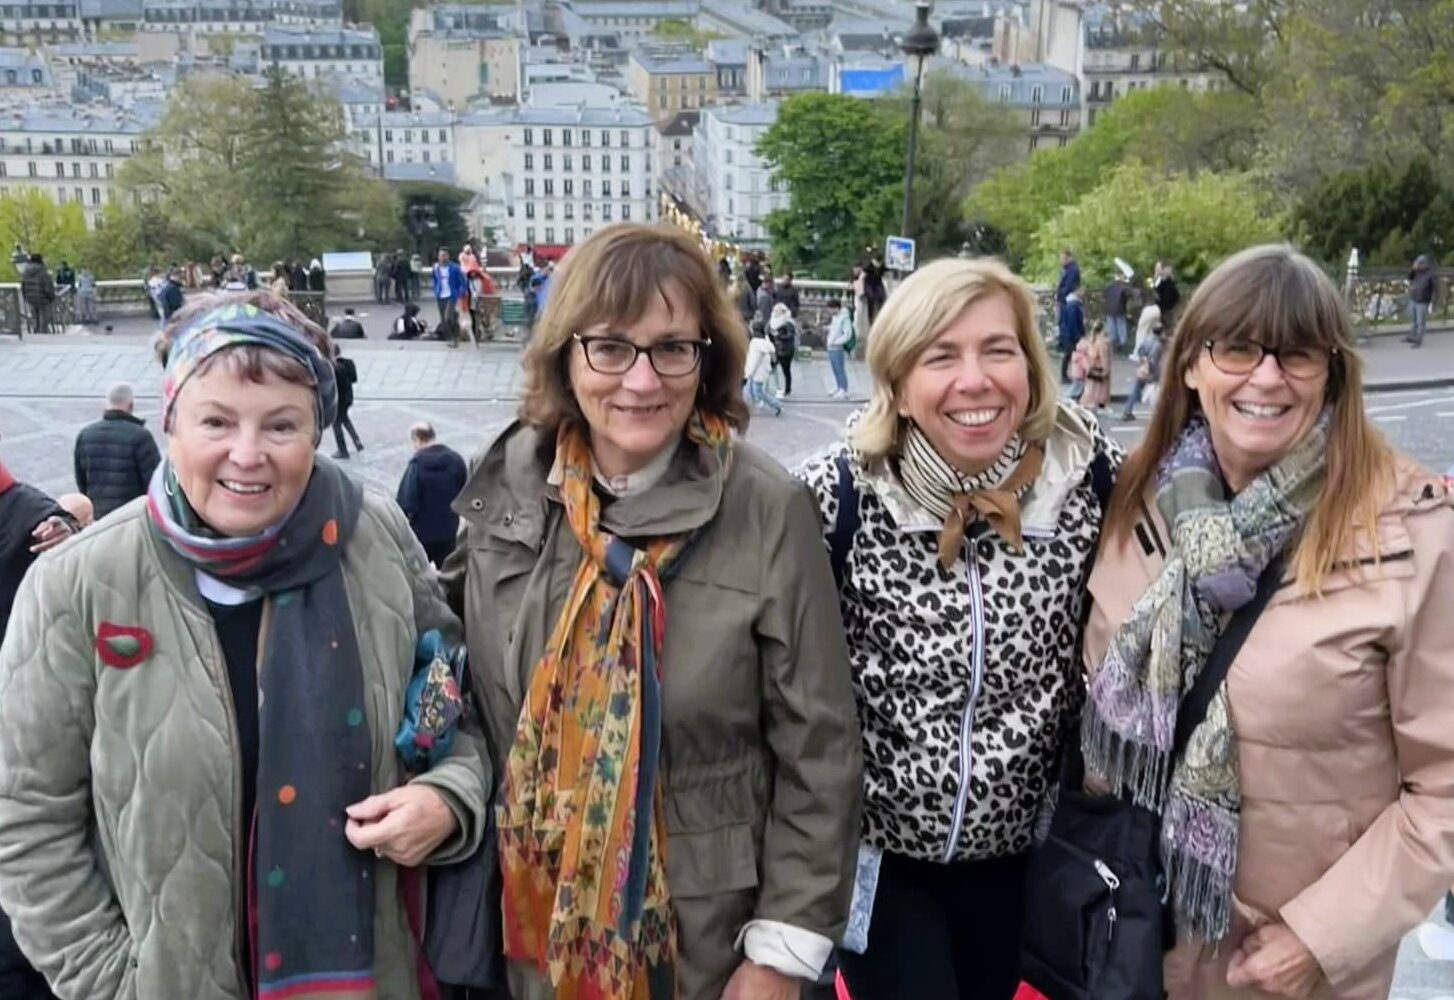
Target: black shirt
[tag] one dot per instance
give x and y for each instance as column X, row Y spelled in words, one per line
column 237, row 628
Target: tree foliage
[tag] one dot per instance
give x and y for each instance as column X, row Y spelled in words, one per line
column 1142, row 215
column 1390, row 215
column 262, row 170
column 32, row 219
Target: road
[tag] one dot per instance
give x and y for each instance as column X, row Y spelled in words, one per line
column 50, row 388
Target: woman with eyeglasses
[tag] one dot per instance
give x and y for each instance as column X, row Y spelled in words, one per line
column 1310, row 823
column 652, row 625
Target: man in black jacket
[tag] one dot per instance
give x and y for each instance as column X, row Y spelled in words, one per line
column 433, row 479
column 345, row 374
column 116, row 455
column 347, row 328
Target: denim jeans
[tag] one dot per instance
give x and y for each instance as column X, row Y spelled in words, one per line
column 1421, row 322
column 1134, row 396
column 838, row 361
column 758, row 392
column 1116, row 328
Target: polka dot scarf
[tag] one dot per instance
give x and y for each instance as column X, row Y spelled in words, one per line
column 310, row 893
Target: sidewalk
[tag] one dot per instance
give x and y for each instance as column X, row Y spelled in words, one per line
column 85, row 365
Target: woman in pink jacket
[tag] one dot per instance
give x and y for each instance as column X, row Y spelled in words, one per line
column 1310, row 823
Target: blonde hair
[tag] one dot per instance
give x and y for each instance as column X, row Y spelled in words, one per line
column 613, row 277
column 921, row 309
column 1279, row 298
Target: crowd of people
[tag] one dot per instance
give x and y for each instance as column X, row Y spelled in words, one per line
column 725, row 730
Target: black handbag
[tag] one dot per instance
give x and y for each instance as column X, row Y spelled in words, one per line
column 1096, row 921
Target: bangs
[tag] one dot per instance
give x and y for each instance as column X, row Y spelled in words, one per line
column 622, row 291
column 256, row 363
column 1279, row 300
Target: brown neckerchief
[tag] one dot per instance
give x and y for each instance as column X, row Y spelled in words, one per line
column 999, row 506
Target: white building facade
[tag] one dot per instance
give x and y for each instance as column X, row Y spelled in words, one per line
column 71, row 154
column 735, row 185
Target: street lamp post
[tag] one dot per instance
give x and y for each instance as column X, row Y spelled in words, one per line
column 921, row 42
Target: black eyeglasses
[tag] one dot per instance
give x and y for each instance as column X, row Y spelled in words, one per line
column 1241, row 357
column 617, row 356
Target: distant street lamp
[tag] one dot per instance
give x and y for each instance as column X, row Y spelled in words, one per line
column 921, row 42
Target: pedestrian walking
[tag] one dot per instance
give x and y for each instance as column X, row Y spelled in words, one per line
column 1147, row 359
column 784, row 333
column 1097, row 369
column 752, row 273
column 115, row 456
column 764, row 301
column 962, row 513
column 169, row 296
column 1116, row 299
column 841, row 337
column 346, row 377
column 86, row 296
column 1423, row 285
column 1147, row 320
column 874, row 292
column 1308, row 826
column 744, row 844
column 449, row 286
column 260, row 594
column 400, row 275
column 1070, row 280
column 433, row 478
column 758, row 368
column 1072, row 328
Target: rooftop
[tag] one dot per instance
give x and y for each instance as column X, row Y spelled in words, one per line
column 284, row 35
column 617, row 117
column 673, row 64
column 63, row 119
column 439, row 173
column 746, row 19
column 95, row 50
column 658, row 10
column 763, row 113
column 728, row 51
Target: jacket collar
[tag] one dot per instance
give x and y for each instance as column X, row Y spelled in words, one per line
column 509, row 495
column 1068, row 453
column 121, row 415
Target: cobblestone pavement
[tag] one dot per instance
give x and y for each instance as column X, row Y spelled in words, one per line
column 50, row 388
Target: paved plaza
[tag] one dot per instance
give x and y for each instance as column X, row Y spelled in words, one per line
column 51, row 387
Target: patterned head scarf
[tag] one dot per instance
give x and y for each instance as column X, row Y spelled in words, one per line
column 239, row 323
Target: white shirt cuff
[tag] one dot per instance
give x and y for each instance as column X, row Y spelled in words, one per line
column 790, row 950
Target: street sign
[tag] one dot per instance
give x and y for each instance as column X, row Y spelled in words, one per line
column 899, row 253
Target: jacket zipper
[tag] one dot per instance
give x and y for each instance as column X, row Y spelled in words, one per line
column 966, row 721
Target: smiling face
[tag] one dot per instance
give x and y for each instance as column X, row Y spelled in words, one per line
column 1255, row 419
column 969, row 390
column 634, row 416
column 242, row 450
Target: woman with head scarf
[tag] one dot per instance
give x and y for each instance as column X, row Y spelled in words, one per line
column 199, row 791
column 651, row 620
column 1309, row 824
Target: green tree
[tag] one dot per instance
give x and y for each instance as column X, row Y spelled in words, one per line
column 32, row 219
column 1168, row 129
column 1142, row 216
column 442, row 205
column 1389, row 215
column 117, row 246
column 1244, row 41
column 842, row 160
column 265, row 171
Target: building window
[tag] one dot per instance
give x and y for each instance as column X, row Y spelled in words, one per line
column 586, row 210
column 549, row 187
column 625, row 213
column 545, row 136
column 1037, row 94
column 1064, row 119
column 1065, row 95
column 605, row 213
column 586, row 162
column 565, row 134
column 529, row 234
column 570, row 234
column 567, row 163
column 529, row 186
column 550, row 234
column 605, row 138
column 31, row 164
column 95, row 196
column 605, row 189
column 605, row 164
column 530, row 210
column 389, row 155
column 529, row 161
column 441, row 136
column 549, row 162
column 569, row 187
column 626, row 189
column 388, row 135
column 529, row 137
column 585, row 137
column 625, row 138
column 625, row 163
column 426, row 156
column 569, row 211
column 408, row 135
column 60, row 170
column 586, row 187
column 550, row 209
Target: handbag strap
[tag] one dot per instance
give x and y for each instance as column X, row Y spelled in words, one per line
column 1194, row 706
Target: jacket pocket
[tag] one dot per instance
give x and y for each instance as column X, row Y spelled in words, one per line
column 711, row 862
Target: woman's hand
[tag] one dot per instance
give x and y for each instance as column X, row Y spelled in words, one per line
column 758, row 982
column 404, row 825
column 1274, row 960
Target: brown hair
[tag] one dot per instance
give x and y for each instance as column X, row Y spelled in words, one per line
column 612, row 278
column 248, row 361
column 1277, row 297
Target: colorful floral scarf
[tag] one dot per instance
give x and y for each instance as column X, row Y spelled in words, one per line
column 1220, row 546
column 582, row 837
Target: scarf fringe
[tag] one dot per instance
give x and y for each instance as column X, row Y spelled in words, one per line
column 1200, row 895
column 1129, row 766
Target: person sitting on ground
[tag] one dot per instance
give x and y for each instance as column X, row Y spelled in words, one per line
column 348, row 328
column 409, row 326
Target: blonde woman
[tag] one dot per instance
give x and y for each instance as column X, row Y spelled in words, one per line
column 962, row 513
column 1310, row 823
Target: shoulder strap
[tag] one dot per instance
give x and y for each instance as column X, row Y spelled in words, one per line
column 845, row 524
column 1194, row 706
